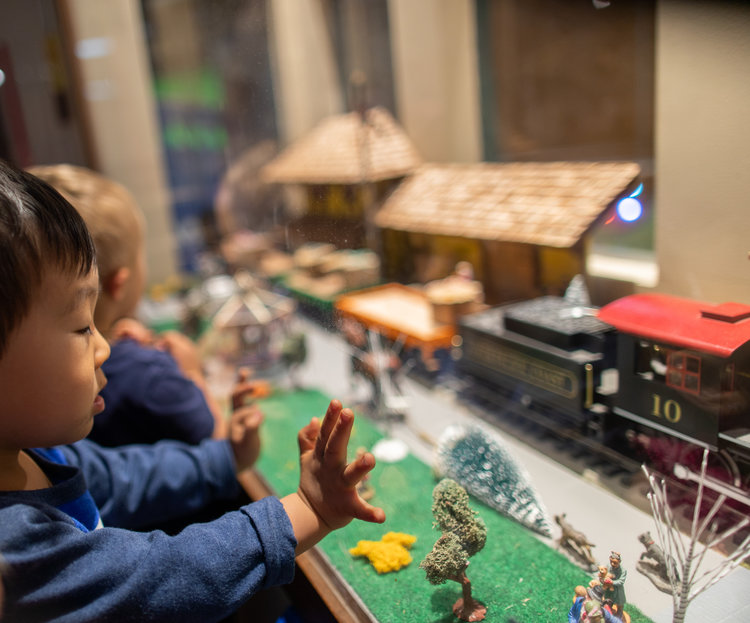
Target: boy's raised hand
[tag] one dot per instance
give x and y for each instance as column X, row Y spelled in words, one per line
column 244, row 424
column 328, row 484
column 244, row 435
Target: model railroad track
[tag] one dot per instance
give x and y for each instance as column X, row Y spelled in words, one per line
column 533, row 422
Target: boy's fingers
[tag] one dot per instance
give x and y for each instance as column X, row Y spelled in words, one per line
column 308, row 434
column 338, row 441
column 245, row 419
column 358, row 469
column 367, row 512
column 243, row 374
column 329, row 423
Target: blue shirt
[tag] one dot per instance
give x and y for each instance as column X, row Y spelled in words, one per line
column 147, row 398
column 574, row 614
column 59, row 570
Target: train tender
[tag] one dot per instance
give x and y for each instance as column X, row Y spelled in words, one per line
column 669, row 374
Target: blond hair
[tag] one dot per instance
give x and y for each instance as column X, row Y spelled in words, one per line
column 111, row 213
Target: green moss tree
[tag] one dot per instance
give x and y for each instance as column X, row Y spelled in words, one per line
column 464, row 534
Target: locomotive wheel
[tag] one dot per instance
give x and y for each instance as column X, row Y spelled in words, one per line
column 721, row 466
column 726, row 465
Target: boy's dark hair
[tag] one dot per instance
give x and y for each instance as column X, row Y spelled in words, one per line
column 38, row 228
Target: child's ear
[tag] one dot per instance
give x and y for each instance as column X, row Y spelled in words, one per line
column 113, row 285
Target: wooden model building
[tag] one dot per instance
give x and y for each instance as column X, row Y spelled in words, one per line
column 523, row 225
column 346, row 164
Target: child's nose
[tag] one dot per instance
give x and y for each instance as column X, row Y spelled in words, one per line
column 101, row 348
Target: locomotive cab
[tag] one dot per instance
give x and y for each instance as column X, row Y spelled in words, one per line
column 684, row 369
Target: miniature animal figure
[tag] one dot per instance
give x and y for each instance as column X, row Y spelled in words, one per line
column 653, row 563
column 575, row 541
column 655, row 553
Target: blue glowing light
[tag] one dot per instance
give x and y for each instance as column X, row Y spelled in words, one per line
column 637, row 191
column 629, row 209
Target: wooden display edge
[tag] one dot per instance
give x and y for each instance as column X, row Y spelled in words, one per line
column 345, row 605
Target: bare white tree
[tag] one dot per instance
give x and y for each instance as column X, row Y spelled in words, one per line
column 688, row 580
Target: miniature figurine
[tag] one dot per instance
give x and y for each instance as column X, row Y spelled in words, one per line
column 575, row 543
column 653, row 564
column 388, row 554
column 463, row 534
column 574, row 614
column 597, row 585
column 379, row 365
column 618, row 582
column 594, row 612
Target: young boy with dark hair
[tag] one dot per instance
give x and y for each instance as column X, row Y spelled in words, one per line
column 156, row 389
column 62, row 565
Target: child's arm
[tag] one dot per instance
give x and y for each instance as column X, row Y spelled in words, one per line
column 327, row 497
column 244, row 425
column 142, row 485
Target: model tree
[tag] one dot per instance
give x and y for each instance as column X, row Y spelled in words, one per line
column 463, row 535
column 684, row 578
column 483, row 463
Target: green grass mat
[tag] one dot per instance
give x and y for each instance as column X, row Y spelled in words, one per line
column 515, row 575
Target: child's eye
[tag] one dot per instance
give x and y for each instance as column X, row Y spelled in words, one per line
column 85, row 331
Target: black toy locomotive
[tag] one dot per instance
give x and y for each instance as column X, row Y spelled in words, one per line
column 660, row 375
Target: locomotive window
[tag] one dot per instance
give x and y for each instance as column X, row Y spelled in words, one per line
column 650, row 361
column 683, row 372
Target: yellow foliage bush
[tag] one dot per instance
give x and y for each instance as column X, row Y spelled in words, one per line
column 390, row 553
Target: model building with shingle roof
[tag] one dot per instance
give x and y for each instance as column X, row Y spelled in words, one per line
column 542, row 203
column 347, row 149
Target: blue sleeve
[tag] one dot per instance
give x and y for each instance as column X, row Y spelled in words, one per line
column 574, row 614
column 609, row 617
column 178, row 404
column 59, row 573
column 136, row 486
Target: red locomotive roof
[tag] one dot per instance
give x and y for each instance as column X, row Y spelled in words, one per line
column 715, row 329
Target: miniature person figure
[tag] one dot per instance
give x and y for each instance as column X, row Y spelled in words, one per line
column 596, row 586
column 62, row 495
column 365, row 362
column 608, row 592
column 574, row 614
column 594, row 612
column 156, row 387
column 618, row 575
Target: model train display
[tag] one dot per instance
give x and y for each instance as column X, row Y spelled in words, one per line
column 656, row 376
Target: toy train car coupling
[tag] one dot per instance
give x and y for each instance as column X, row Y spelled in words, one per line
column 669, row 368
